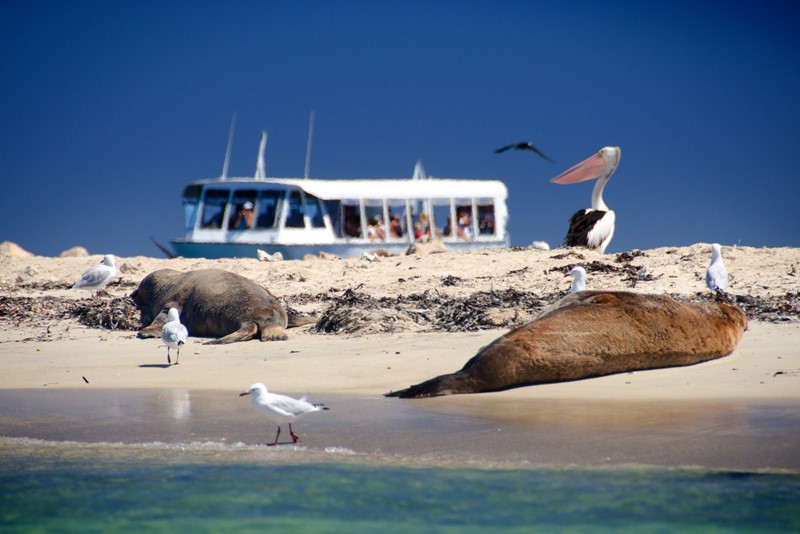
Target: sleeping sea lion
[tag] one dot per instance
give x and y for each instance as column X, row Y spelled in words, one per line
column 212, row 303
column 595, row 333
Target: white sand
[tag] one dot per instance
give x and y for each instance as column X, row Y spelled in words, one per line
column 60, row 353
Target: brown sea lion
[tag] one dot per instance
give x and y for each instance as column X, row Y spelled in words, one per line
column 212, row 303
column 595, row 333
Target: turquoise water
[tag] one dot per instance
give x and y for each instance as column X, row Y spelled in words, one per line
column 58, row 493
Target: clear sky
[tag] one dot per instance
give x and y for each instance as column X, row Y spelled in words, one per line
column 108, row 109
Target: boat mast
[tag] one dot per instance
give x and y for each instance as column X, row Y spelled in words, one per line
column 228, row 150
column 308, row 144
column 261, row 166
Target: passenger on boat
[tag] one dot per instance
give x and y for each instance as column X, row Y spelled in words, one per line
column 244, row 217
column 395, row 227
column 464, row 226
column 486, row 226
column 424, row 225
column 375, row 229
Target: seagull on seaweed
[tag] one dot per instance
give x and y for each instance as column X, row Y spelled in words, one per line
column 525, row 145
column 578, row 275
column 280, row 408
column 98, row 276
column 717, row 274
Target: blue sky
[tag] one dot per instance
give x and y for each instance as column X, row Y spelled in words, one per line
column 109, row 108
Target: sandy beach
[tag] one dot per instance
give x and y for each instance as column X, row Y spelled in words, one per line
column 394, row 322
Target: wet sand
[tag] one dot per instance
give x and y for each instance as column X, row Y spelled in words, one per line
column 191, row 425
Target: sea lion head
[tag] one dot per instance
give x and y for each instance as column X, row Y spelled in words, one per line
column 151, row 285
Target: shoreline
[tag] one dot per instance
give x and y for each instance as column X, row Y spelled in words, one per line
column 213, row 426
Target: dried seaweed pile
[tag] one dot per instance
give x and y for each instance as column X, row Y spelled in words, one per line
column 627, row 272
column 355, row 312
column 775, row 309
column 114, row 314
column 428, row 311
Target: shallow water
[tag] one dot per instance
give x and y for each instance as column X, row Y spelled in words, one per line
column 167, row 460
column 468, row 429
column 68, row 487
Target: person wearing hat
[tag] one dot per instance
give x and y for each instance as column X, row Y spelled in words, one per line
column 244, row 217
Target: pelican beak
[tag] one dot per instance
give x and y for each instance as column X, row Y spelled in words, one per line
column 588, row 169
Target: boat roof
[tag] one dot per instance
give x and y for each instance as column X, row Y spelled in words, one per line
column 398, row 188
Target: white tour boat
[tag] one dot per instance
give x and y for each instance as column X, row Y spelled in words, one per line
column 235, row 217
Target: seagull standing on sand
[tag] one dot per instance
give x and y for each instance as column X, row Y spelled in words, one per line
column 716, row 274
column 174, row 333
column 98, row 276
column 578, row 275
column 593, row 227
column 280, row 408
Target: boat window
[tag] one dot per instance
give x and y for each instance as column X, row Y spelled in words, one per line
column 486, row 219
column 334, row 210
column 464, row 227
column 191, row 204
column 376, row 225
column 267, row 208
column 214, row 208
column 418, row 218
column 351, row 215
column 243, row 210
column 398, row 219
column 313, row 210
column 441, row 224
column 294, row 219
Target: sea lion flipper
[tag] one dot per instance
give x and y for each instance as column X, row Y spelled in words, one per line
column 273, row 332
column 247, row 332
column 435, row 387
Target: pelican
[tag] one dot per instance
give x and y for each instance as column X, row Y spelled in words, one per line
column 593, row 227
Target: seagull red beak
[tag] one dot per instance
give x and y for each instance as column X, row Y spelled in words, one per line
column 243, row 394
column 588, row 169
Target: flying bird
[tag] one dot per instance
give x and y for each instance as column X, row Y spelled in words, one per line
column 578, row 275
column 592, row 227
column 98, row 276
column 174, row 333
column 716, row 274
column 280, row 408
column 525, row 145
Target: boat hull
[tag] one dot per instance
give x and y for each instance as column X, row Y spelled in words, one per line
column 188, row 249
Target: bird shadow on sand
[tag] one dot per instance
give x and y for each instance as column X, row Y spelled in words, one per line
column 155, row 366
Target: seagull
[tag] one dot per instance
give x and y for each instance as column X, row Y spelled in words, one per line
column 716, row 274
column 578, row 275
column 280, row 408
column 98, row 276
column 592, row 227
column 525, row 145
column 174, row 333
